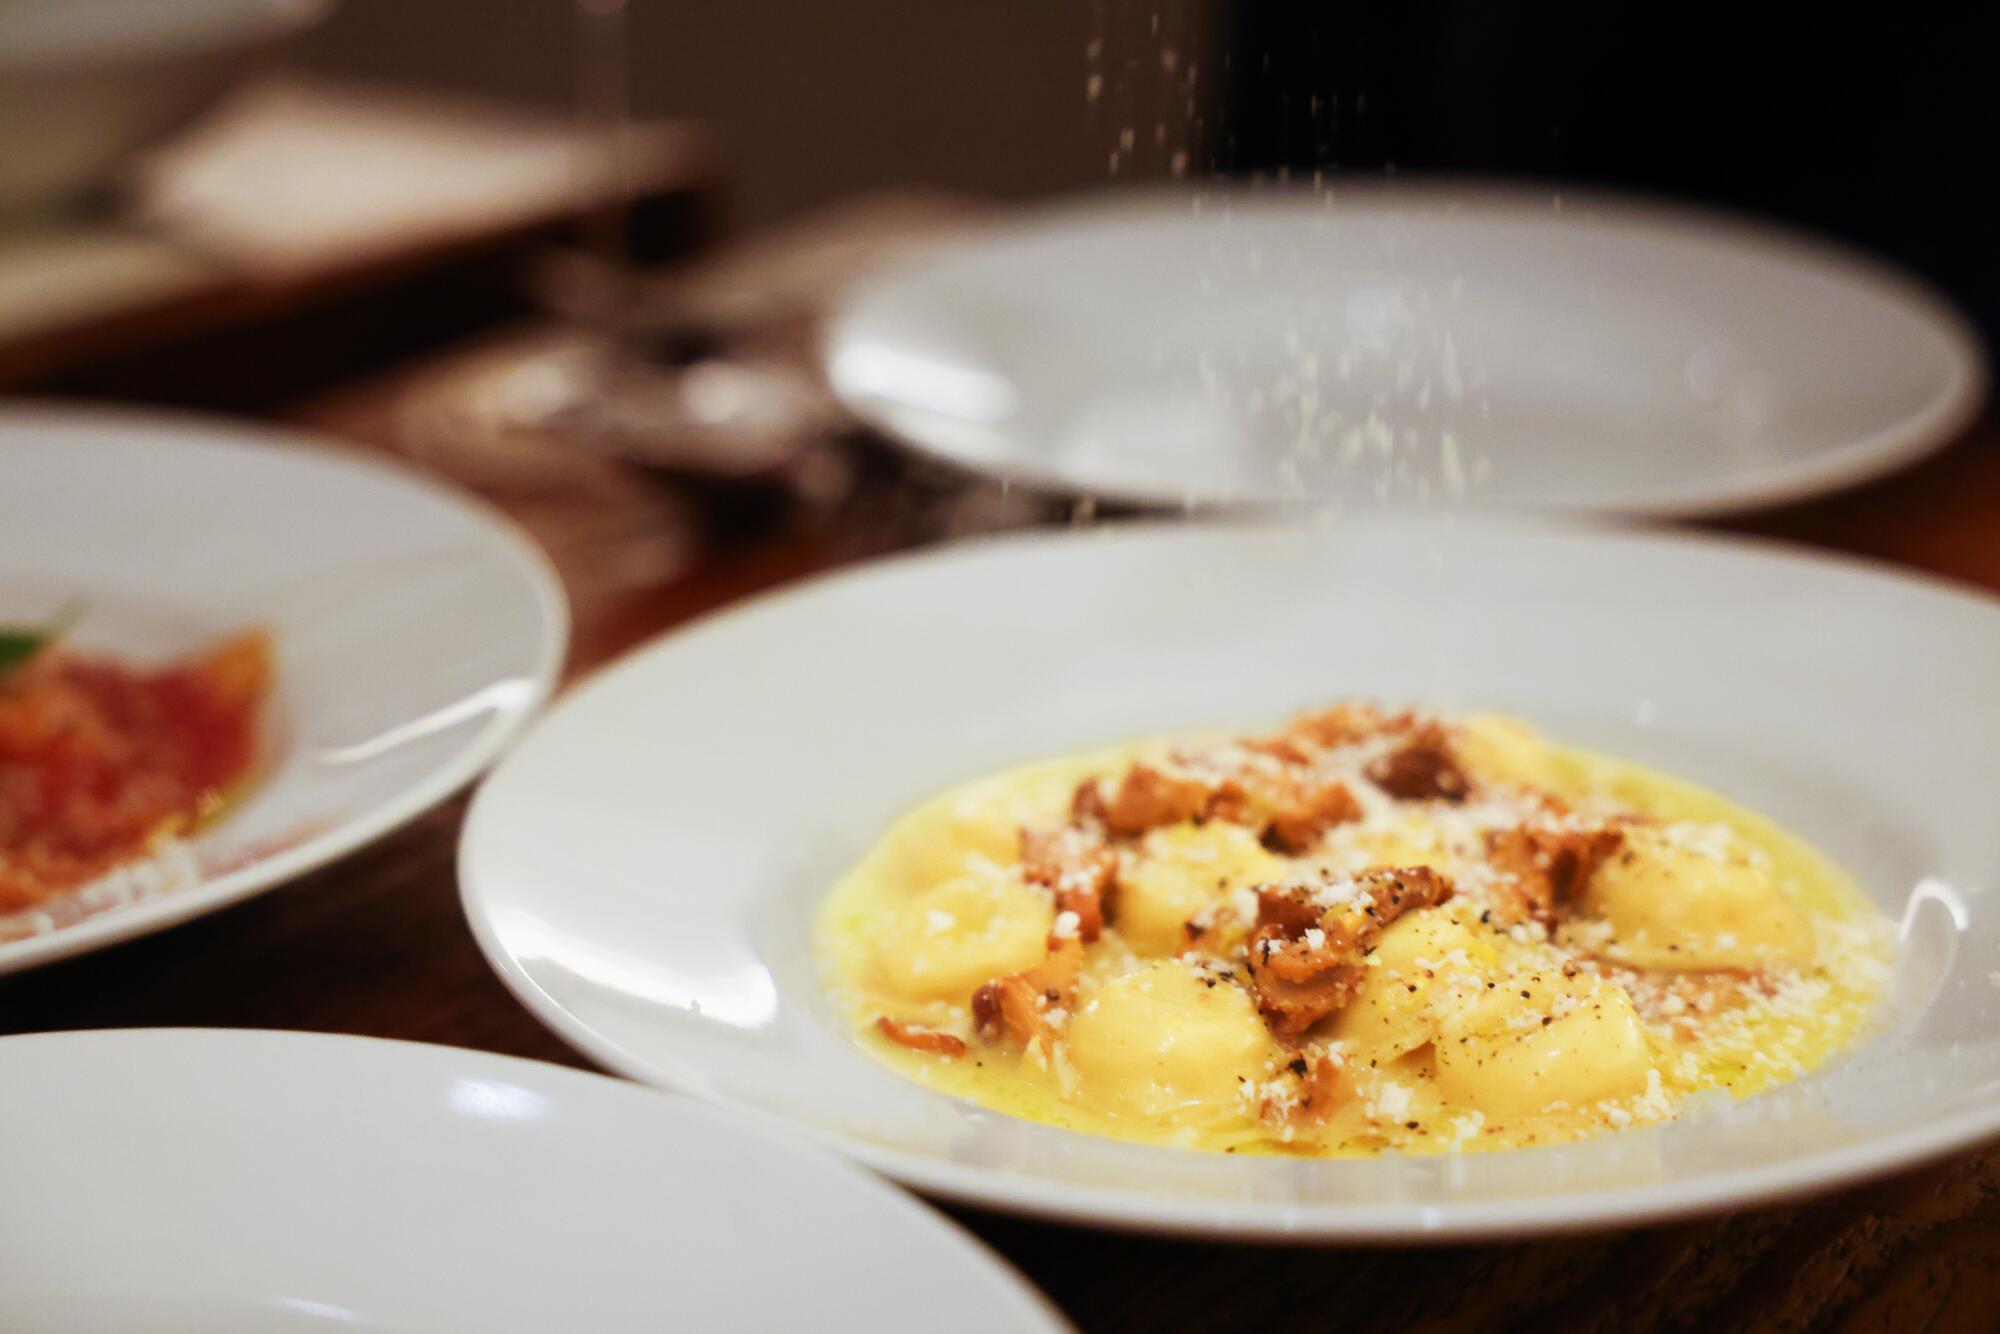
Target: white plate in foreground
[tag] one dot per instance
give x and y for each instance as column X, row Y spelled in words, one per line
column 415, row 630
column 1404, row 342
column 645, row 869
column 190, row 1180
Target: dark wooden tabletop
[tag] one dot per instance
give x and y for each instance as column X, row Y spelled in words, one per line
column 377, row 946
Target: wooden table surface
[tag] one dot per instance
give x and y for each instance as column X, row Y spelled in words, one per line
column 377, row 946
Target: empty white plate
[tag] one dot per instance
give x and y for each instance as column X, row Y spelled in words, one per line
column 415, row 630
column 1411, row 344
column 644, row 870
column 185, row 1181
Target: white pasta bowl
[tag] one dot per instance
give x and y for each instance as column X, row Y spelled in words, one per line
column 644, row 870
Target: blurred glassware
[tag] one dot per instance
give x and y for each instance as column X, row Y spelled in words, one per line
column 84, row 83
column 705, row 370
column 639, row 376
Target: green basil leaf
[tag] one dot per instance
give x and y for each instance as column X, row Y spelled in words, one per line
column 20, row 643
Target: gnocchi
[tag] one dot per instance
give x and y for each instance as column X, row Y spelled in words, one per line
column 1168, row 1040
column 1501, row 750
column 1428, row 967
column 950, row 938
column 1369, row 930
column 1572, row 1048
column 1674, row 906
column 1184, row 870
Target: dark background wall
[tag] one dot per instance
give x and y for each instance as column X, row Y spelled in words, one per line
column 1876, row 123
column 819, row 98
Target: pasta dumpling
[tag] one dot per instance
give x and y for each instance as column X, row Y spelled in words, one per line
column 1168, row 1040
column 965, row 838
column 1180, row 870
column 1427, row 966
column 1403, row 842
column 955, row 936
column 1504, row 751
column 1516, row 1057
column 1672, row 906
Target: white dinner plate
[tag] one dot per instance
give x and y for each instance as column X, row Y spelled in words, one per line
column 210, row 1182
column 415, row 630
column 1501, row 346
column 644, row 870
